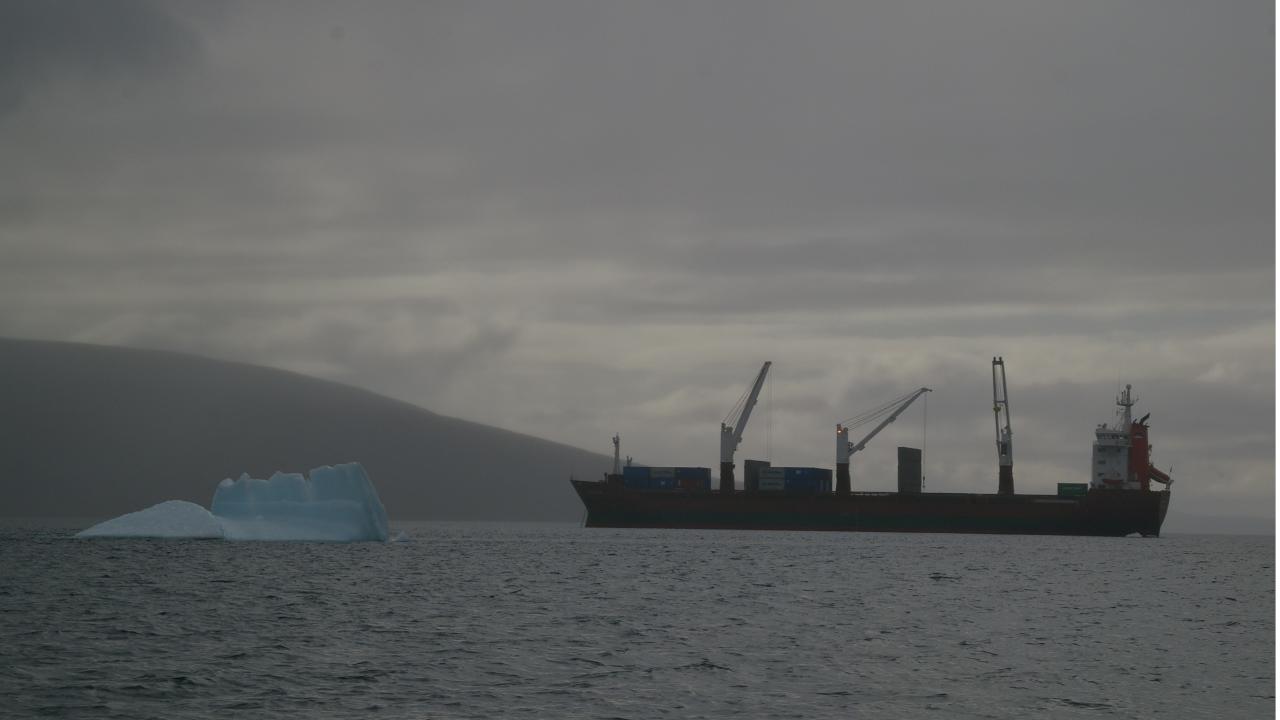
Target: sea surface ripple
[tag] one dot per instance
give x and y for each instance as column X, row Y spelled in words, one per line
column 479, row 620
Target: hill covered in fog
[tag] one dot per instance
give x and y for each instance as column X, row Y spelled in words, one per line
column 93, row 432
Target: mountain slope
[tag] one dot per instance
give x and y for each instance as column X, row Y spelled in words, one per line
column 92, row 431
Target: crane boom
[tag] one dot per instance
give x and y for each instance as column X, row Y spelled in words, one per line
column 1004, row 435
column 731, row 435
column 843, row 457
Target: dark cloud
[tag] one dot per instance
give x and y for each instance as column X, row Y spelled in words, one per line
column 566, row 216
column 94, row 43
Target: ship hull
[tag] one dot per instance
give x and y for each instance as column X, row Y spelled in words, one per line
column 1099, row 513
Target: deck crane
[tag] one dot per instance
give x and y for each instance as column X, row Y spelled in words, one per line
column 731, row 434
column 1004, row 435
column 844, row 448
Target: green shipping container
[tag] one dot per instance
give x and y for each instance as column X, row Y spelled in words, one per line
column 1072, row 489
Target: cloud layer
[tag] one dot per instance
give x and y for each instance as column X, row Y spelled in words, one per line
column 570, row 219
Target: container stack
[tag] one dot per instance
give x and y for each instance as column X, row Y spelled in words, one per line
column 751, row 474
column 795, row 479
column 693, row 478
column 772, row 478
column 666, row 478
column 910, row 470
column 662, row 478
column 635, row 477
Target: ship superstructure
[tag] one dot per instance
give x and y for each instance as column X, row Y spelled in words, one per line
column 1122, row 452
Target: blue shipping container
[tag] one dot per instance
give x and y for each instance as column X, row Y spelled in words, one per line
column 662, row 483
column 635, row 483
column 810, row 484
column 635, row 471
column 693, row 473
column 796, row 473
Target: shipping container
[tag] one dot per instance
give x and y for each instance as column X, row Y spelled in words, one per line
column 635, row 471
column 772, row 473
column 767, row 483
column 662, row 483
column 751, row 474
column 809, row 484
column 662, row 472
column 910, row 470
column 694, row 483
column 806, row 473
column 689, row 473
column 1072, row 489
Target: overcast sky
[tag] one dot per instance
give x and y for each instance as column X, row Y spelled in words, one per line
column 576, row 219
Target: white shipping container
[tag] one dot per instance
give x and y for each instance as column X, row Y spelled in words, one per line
column 667, row 472
column 773, row 484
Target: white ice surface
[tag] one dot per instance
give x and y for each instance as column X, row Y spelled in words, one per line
column 173, row 520
column 337, row 504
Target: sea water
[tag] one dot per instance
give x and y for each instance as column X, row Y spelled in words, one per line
column 530, row 620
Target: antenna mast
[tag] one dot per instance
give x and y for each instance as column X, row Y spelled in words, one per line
column 617, row 460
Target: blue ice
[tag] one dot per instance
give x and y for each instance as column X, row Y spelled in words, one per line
column 338, row 503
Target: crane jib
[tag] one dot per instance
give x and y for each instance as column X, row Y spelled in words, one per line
column 731, row 435
column 884, row 423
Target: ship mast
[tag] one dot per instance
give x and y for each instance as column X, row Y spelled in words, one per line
column 1126, row 401
column 1004, row 435
column 617, row 458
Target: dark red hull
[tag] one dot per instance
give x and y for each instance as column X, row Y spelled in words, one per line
column 1100, row 512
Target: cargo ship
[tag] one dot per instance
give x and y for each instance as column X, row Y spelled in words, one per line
column 1117, row 501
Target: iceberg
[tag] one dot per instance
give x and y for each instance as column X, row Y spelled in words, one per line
column 172, row 520
column 337, row 504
